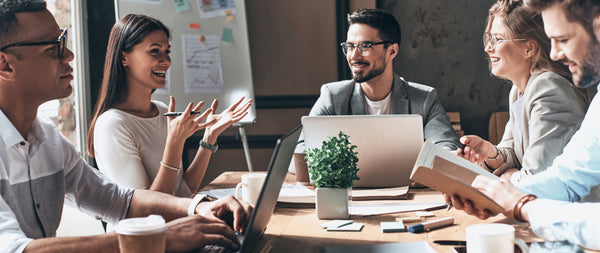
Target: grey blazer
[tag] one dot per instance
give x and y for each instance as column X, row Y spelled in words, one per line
column 347, row 98
column 552, row 112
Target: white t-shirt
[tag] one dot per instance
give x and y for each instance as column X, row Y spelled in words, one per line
column 129, row 148
column 517, row 112
column 381, row 107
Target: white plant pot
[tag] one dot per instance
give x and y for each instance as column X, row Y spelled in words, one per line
column 332, row 203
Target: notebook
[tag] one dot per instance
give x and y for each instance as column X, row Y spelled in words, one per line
column 282, row 155
column 387, row 145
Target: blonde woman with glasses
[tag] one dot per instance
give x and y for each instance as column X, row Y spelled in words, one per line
column 545, row 108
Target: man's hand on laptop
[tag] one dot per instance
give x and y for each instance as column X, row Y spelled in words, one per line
column 197, row 231
column 234, row 211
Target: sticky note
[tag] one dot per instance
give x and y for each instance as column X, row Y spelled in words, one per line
column 336, row 223
column 194, row 26
column 425, row 214
column 227, row 35
column 354, row 227
column 229, row 15
column 181, row 5
column 392, row 226
column 409, row 219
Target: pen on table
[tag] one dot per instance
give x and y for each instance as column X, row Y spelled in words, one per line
column 417, row 228
column 450, row 205
column 450, row 242
column 179, row 113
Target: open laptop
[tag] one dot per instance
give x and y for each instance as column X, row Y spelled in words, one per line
column 387, row 145
column 282, row 156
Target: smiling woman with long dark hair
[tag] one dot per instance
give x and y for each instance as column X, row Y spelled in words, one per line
column 133, row 143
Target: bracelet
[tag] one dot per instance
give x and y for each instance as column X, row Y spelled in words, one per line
column 517, row 209
column 208, row 146
column 169, row 166
column 195, row 201
column 498, row 154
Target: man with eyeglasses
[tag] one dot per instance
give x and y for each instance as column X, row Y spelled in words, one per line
column 40, row 169
column 371, row 46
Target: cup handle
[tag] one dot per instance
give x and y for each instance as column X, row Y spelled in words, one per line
column 238, row 187
column 522, row 245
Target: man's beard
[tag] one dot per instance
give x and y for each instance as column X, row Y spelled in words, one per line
column 369, row 75
column 590, row 67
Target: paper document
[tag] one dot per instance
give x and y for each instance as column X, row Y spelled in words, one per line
column 202, row 66
column 289, row 193
column 366, row 210
column 296, row 194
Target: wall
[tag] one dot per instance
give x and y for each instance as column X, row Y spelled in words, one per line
column 442, row 47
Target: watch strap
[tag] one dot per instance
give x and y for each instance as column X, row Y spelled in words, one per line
column 195, row 201
column 208, row 146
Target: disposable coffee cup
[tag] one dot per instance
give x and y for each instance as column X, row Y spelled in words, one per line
column 142, row 235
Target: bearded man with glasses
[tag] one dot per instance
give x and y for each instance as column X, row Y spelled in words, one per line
column 371, row 46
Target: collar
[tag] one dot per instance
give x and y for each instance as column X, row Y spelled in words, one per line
column 9, row 135
column 399, row 95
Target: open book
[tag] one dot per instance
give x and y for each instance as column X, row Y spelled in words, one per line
column 443, row 171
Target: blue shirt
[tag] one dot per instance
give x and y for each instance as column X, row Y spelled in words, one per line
column 41, row 172
column 577, row 169
column 577, row 223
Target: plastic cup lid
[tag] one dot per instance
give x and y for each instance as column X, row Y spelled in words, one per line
column 142, row 226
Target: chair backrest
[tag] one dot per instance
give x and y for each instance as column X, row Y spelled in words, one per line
column 498, row 122
column 455, row 121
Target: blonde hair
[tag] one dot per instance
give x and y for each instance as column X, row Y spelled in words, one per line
column 523, row 23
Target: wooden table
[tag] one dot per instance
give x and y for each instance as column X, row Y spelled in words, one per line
column 294, row 229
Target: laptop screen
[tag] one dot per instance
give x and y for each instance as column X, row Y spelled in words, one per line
column 282, row 156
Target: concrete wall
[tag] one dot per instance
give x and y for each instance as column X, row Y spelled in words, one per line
column 442, row 47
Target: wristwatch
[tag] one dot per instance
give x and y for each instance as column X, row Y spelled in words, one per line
column 195, row 201
column 205, row 145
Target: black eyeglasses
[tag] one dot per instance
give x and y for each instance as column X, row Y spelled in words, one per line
column 61, row 42
column 363, row 47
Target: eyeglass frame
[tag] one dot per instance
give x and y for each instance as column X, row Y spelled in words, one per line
column 61, row 42
column 495, row 41
column 364, row 45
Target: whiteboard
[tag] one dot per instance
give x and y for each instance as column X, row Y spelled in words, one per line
column 194, row 74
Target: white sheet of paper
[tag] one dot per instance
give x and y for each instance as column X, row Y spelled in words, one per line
column 202, row 69
column 366, row 210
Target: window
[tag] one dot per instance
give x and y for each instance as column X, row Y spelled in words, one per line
column 69, row 113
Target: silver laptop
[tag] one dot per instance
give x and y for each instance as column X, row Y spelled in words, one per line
column 387, row 145
column 261, row 215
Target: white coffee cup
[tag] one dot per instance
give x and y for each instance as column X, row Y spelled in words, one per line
column 250, row 187
column 146, row 234
column 493, row 238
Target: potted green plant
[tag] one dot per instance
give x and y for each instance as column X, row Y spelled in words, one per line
column 332, row 168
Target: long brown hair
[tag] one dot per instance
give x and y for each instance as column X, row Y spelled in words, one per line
column 523, row 23
column 125, row 34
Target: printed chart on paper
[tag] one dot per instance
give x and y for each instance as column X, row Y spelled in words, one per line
column 202, row 69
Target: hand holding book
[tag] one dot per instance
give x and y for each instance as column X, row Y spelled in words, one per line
column 453, row 175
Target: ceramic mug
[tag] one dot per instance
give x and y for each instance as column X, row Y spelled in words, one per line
column 493, row 238
column 250, row 187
